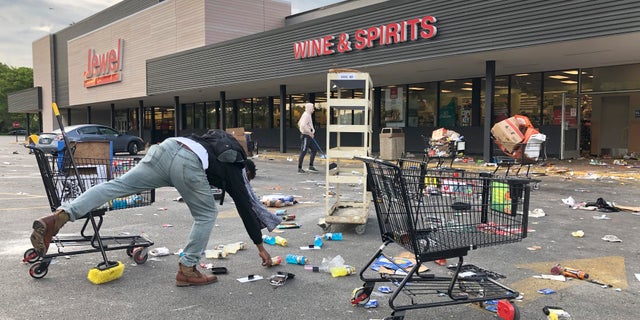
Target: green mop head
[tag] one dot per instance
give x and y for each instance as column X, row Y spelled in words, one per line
column 102, row 273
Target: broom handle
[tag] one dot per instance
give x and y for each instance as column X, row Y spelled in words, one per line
column 56, row 112
column 318, row 145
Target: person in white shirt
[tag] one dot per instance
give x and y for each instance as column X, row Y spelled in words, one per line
column 307, row 134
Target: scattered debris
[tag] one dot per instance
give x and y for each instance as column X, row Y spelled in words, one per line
column 611, row 238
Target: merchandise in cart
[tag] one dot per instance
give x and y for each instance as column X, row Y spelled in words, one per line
column 518, row 144
column 442, row 214
column 442, row 145
column 65, row 178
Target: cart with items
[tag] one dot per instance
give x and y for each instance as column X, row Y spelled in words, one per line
column 518, row 144
column 439, row 214
column 443, row 145
column 66, row 177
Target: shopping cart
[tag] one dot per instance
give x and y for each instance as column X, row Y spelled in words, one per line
column 439, row 151
column 65, row 178
column 436, row 215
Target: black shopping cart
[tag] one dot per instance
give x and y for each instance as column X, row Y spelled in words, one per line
column 436, row 215
column 65, row 178
column 438, row 152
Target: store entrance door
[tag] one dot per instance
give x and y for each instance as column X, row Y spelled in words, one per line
column 570, row 127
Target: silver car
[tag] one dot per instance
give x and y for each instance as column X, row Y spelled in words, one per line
column 49, row 142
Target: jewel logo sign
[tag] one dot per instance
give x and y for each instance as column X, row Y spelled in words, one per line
column 104, row 68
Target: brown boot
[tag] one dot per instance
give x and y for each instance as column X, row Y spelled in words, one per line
column 190, row 276
column 45, row 228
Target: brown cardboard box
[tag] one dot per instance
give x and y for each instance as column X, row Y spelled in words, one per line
column 238, row 133
column 508, row 133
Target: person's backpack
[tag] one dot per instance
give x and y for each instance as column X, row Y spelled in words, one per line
column 224, row 148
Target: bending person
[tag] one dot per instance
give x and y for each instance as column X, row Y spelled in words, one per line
column 190, row 165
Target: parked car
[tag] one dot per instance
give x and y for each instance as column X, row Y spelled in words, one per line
column 18, row 132
column 48, row 142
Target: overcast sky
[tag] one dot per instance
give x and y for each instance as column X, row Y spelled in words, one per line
column 24, row 21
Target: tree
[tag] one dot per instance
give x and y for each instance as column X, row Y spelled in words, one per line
column 12, row 80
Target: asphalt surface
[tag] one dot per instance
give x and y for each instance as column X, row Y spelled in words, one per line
column 148, row 290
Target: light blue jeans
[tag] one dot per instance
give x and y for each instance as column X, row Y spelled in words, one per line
column 165, row 165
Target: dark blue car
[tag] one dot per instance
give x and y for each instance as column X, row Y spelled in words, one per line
column 48, row 142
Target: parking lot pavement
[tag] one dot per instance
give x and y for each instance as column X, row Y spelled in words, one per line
column 148, row 290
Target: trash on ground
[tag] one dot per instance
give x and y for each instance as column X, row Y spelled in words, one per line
column 160, row 252
column 537, row 213
column 546, row 291
column 555, row 277
column 611, row 238
column 578, row 234
column 250, row 278
column 602, row 217
column 534, row 248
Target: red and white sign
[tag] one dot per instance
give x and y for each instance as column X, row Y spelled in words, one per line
column 388, row 34
column 16, row 124
column 104, row 68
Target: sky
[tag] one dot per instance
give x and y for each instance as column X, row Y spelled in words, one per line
column 24, row 21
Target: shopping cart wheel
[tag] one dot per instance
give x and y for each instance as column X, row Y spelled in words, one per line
column 360, row 296
column 130, row 251
column 38, row 270
column 31, row 256
column 140, row 255
column 360, row 229
column 507, row 310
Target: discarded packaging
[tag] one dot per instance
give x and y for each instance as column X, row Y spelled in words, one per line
column 160, row 252
column 611, row 238
column 578, row 234
column 250, row 278
column 215, row 254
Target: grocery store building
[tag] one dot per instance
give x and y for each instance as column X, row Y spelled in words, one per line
column 164, row 68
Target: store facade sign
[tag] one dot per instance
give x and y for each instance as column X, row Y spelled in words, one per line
column 388, row 34
column 104, row 68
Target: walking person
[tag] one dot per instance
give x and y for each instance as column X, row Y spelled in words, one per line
column 191, row 165
column 307, row 134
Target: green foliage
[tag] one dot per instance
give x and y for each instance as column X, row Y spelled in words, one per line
column 14, row 79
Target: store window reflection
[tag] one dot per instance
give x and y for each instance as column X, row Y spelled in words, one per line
column 392, row 106
column 455, row 103
column 422, row 104
column 526, row 92
column 556, row 83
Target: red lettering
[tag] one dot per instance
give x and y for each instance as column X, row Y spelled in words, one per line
column 429, row 30
column 361, row 40
column 300, row 49
column 316, row 48
column 89, row 73
column 113, row 61
column 327, row 44
column 392, row 34
column 373, row 33
column 103, row 68
column 413, row 28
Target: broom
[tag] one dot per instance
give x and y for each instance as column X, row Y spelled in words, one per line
column 323, row 155
column 108, row 270
column 105, row 273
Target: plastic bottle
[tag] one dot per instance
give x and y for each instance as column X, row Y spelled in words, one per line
column 296, row 259
column 317, row 242
column 323, row 267
column 274, row 240
column 342, row 271
column 269, row 239
column 276, row 261
column 281, row 212
column 336, row 236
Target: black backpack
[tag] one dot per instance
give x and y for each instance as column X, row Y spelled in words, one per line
column 223, row 150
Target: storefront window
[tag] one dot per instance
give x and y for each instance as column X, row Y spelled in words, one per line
column 392, row 106
column 212, row 116
column 260, row 113
column 422, row 104
column 455, row 103
column 526, row 96
column 244, row 113
column 320, row 115
column 199, row 115
column 555, row 84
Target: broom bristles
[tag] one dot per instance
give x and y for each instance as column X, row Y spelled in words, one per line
column 100, row 276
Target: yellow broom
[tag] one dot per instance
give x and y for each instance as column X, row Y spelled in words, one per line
column 105, row 273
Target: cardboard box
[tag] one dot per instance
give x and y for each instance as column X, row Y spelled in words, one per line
column 507, row 133
column 239, row 134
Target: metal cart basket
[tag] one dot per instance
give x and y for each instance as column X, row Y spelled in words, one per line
column 65, row 179
column 437, row 214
